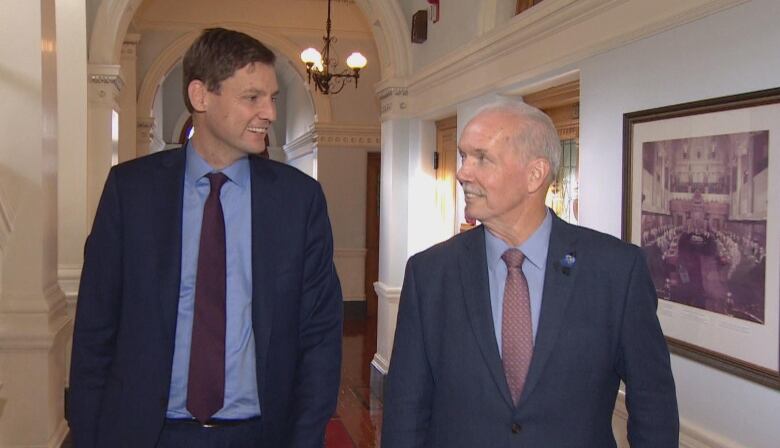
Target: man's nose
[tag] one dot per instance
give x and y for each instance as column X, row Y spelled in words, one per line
column 268, row 111
column 463, row 174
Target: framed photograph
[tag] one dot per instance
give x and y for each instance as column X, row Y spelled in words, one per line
column 701, row 197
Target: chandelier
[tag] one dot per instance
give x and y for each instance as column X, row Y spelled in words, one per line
column 320, row 67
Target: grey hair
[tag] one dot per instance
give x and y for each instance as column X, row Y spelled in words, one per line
column 535, row 136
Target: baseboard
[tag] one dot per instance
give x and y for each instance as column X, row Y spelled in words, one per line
column 377, row 382
column 56, row 440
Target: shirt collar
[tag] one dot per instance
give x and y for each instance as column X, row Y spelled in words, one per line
column 197, row 167
column 534, row 248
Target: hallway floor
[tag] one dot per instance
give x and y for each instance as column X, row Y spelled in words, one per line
column 358, row 409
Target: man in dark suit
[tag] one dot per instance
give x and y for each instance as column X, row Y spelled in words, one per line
column 518, row 333
column 209, row 312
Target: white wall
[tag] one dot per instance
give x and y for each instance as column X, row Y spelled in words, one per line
column 307, row 164
column 727, row 53
column 342, row 173
column 298, row 112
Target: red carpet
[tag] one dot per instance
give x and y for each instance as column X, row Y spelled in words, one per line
column 336, row 435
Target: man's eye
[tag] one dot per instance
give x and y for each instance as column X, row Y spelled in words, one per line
column 252, row 98
column 273, row 99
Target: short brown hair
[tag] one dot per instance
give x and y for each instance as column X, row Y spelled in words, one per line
column 217, row 54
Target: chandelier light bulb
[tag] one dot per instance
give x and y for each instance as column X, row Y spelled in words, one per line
column 311, row 56
column 356, row 61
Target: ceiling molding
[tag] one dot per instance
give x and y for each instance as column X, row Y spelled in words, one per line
column 548, row 37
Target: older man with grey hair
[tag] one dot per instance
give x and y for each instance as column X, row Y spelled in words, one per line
column 520, row 331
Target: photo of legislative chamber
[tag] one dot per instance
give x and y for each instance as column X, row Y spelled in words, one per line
column 704, row 211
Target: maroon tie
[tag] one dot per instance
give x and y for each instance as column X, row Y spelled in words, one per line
column 206, row 384
column 517, row 342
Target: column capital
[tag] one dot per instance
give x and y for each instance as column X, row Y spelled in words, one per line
column 393, row 97
column 130, row 45
column 145, row 129
column 105, row 83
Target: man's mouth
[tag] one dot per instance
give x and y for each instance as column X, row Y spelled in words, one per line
column 257, row 129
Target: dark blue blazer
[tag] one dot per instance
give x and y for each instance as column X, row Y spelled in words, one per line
column 598, row 326
column 128, row 302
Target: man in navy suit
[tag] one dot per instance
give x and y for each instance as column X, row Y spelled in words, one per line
column 209, row 312
column 518, row 333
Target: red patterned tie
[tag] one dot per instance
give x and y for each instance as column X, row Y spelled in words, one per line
column 206, row 384
column 517, row 342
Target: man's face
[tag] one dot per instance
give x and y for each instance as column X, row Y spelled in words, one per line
column 493, row 173
column 236, row 118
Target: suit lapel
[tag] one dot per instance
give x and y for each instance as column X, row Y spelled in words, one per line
column 265, row 238
column 167, row 208
column 558, row 283
column 476, row 292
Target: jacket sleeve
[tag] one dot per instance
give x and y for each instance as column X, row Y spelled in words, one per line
column 408, row 391
column 644, row 366
column 97, row 317
column 319, row 366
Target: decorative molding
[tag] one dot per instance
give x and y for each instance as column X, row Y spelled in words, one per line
column 69, row 277
column 301, row 146
column 332, row 135
column 130, row 45
column 380, row 364
column 691, row 436
column 106, row 74
column 32, row 321
column 145, row 129
column 389, row 294
column 394, row 101
column 347, row 135
column 516, row 51
column 51, row 301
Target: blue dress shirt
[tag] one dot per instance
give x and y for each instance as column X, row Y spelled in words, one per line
column 534, row 266
column 241, row 395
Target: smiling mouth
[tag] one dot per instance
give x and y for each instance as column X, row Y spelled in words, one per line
column 257, row 130
column 472, row 195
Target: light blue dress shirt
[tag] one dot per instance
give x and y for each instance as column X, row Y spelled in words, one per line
column 241, row 396
column 534, row 266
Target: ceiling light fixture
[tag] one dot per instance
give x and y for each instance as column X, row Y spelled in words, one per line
column 319, row 66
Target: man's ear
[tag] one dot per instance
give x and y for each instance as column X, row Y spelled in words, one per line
column 197, row 94
column 538, row 170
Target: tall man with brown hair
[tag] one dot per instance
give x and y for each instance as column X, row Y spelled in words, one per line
column 209, row 312
column 518, row 333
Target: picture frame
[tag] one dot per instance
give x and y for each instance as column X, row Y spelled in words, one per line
column 697, row 179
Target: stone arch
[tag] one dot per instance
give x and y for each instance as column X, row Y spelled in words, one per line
column 390, row 31
column 109, row 29
column 388, row 26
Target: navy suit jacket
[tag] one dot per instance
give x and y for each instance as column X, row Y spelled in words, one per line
column 446, row 385
column 128, row 303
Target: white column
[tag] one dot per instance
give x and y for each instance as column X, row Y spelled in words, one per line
column 127, row 100
column 105, row 83
column 32, row 307
column 393, row 221
column 72, row 217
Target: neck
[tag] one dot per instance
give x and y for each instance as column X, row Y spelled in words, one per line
column 216, row 155
column 520, row 227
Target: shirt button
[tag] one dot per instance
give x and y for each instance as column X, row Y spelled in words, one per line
column 516, row 428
